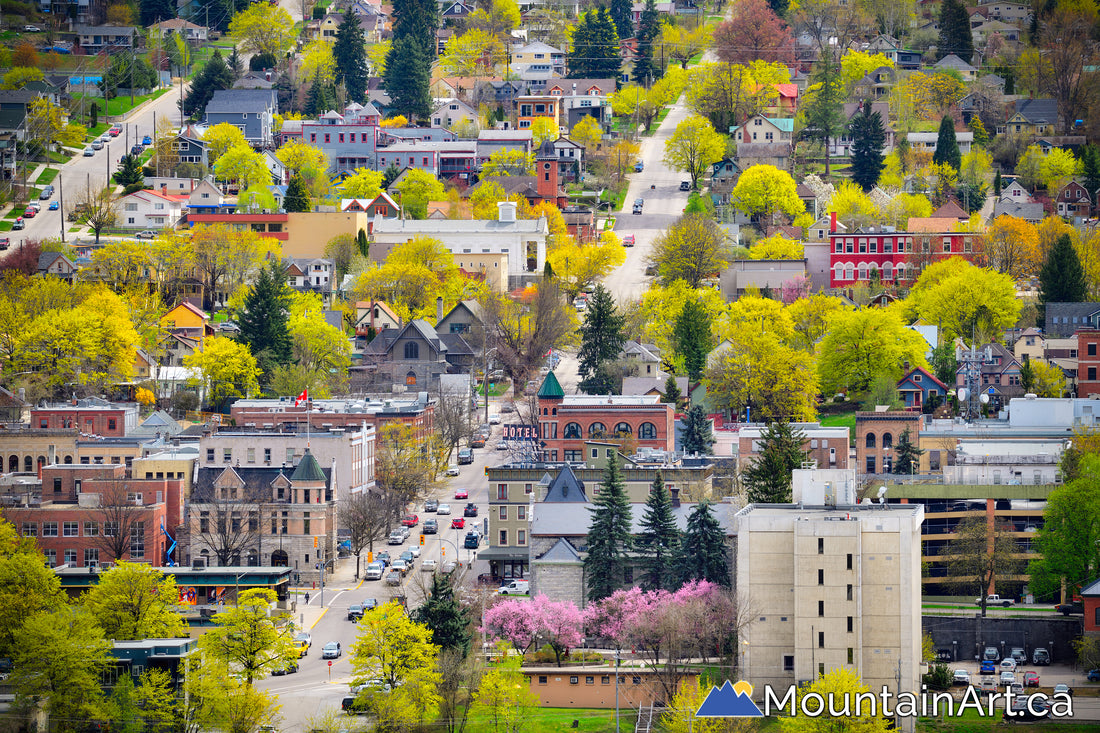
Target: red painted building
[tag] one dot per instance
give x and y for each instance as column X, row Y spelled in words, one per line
column 1088, row 362
column 1090, row 596
column 566, row 422
column 92, row 416
column 76, row 510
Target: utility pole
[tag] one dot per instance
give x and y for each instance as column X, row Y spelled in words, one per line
column 131, row 76
column 61, row 205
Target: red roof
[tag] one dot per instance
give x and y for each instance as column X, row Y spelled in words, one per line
column 787, row 90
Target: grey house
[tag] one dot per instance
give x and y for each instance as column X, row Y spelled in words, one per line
column 413, row 355
column 252, row 110
column 1064, row 319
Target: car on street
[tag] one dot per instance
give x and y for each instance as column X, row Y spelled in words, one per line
column 331, row 650
column 136, row 150
column 472, row 541
column 410, row 520
column 1031, row 679
column 961, row 677
column 394, row 578
column 5, row 242
column 431, row 505
column 638, row 205
column 147, row 140
column 470, row 510
column 428, row 566
column 458, row 523
column 639, row 167
column 401, row 565
column 443, row 509
column 397, row 537
column 494, row 419
column 355, row 612
column 1070, row 608
column 431, row 526
column 19, row 223
column 413, row 550
column 89, row 152
column 382, row 557
column 628, row 240
column 46, row 194
column 462, row 494
column 515, row 588
column 29, row 213
column 507, row 407
column 303, row 637
column 115, row 131
column 375, row 571
column 685, row 185
column 146, row 234
column 97, row 145
column 369, row 604
column 465, row 456
column 31, row 29
column 288, row 669
column 501, row 445
column 1008, row 678
column 1009, row 664
column 452, row 472
column 1063, row 689
column 54, row 206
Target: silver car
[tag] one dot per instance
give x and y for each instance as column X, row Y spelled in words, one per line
column 443, row 509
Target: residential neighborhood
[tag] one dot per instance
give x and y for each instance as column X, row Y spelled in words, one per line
column 610, row 366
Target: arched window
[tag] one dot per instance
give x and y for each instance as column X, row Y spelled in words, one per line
column 68, row 459
column 848, row 272
column 545, row 411
column 623, row 429
column 572, row 431
column 870, row 440
column 596, row 428
column 863, row 272
column 887, row 271
column 13, row 464
column 28, row 464
column 412, row 350
column 887, row 440
column 410, row 379
column 553, row 411
column 838, row 271
column 647, row 431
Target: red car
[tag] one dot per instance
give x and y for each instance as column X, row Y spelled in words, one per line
column 458, row 523
column 115, row 131
column 30, row 214
column 410, row 520
column 462, row 494
column 1031, row 679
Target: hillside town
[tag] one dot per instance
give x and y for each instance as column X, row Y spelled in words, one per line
column 612, row 366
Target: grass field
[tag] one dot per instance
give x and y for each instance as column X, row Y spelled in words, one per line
column 47, row 176
column 841, row 420
column 122, row 105
column 552, row 720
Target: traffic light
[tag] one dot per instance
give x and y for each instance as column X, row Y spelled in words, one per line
column 421, row 540
column 443, row 552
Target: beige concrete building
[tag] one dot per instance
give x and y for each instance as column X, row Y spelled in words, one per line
column 492, row 265
column 23, row 448
column 307, row 232
column 832, row 585
column 170, row 463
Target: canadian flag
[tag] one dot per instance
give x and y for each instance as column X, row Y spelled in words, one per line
column 304, row 397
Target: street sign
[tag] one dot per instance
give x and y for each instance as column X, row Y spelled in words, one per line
column 521, row 432
column 991, row 391
column 330, row 662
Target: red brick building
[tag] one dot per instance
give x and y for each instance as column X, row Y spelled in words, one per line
column 876, row 435
column 76, row 512
column 324, row 414
column 91, row 416
column 1090, row 595
column 1088, row 362
column 566, row 422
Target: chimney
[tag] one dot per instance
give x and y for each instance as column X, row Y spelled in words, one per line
column 905, row 367
column 438, row 310
column 832, row 222
column 675, row 492
column 164, row 189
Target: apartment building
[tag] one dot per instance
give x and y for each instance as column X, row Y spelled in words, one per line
column 417, row 410
column 828, row 446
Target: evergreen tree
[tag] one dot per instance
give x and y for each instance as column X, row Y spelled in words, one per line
column 1062, row 279
column 263, row 320
column 823, row 109
column 658, row 543
column 703, row 554
column 214, row 76
column 947, row 147
column 1090, row 168
column 1027, row 374
column 779, row 7
column 364, row 245
column 233, row 63
column 767, row 480
column 981, row 135
column 154, row 11
column 601, row 342
column 609, row 537
column 214, row 14
column 955, row 35
column 390, row 174
column 906, row 455
column 408, row 76
column 416, row 20
column 321, row 97
column 595, row 52
column 129, row 171
column 868, row 136
column 691, row 338
column 297, row 197
column 972, row 196
column 997, row 184
column 646, row 71
column 445, row 616
column 351, row 58
column 672, row 392
column 622, row 15
column 698, row 436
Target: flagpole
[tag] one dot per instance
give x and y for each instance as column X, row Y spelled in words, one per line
column 309, row 417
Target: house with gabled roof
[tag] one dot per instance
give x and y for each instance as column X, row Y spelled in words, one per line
column 842, row 146
column 185, row 28
column 1000, row 373
column 56, row 264
column 1031, row 117
column 452, row 111
column 376, row 315
column 413, row 355
column 918, row 385
column 954, row 63
column 467, row 316
column 310, row 274
column 761, row 129
column 150, row 210
column 381, row 205
column 875, row 84
column 187, row 319
column 1073, row 200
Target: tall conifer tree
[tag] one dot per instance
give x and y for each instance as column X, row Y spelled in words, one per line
column 609, row 538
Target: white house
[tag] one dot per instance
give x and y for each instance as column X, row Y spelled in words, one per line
column 150, row 210
column 278, row 170
column 452, row 111
column 926, row 141
column 309, row 273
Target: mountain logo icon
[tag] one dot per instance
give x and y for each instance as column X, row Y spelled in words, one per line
column 729, row 701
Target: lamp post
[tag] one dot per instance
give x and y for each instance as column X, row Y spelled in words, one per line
column 618, row 659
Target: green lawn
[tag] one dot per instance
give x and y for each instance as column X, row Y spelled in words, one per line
column 122, row 105
column 5, row 226
column 657, row 121
column 47, row 176
column 553, row 720
column 15, row 212
column 841, row 420
column 94, row 132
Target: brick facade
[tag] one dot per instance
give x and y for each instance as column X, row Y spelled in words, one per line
column 876, row 435
column 1088, row 362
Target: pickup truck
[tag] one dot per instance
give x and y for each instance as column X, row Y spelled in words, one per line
column 1072, row 607
column 994, row 600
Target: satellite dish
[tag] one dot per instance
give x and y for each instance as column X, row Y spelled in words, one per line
column 984, row 399
column 963, row 394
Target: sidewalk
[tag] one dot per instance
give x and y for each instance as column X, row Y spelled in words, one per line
column 342, row 579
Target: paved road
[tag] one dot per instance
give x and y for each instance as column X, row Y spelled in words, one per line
column 317, row 688
column 79, row 172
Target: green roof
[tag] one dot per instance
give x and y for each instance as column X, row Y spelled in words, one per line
column 551, row 388
column 308, row 469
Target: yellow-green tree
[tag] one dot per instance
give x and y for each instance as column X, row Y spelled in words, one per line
column 588, row 133
column 758, row 369
column 1050, row 380
column 263, row 29
column 394, row 649
column 220, row 138
column 543, row 129
column 776, row 248
column 1012, row 246
column 694, row 147
column 27, row 585
column 653, row 318
column 496, row 17
column 484, row 199
column 852, row 205
column 136, row 601
column 966, row 301
column 863, row 344
column 225, row 369
column 417, row 189
column 625, row 101
column 855, row 65
column 509, row 163
column 756, row 314
column 692, row 249
column 578, row 265
column 810, row 319
column 318, row 346
column 363, row 184
column 1059, row 168
column 318, row 61
column 839, row 683
column 20, row 76
column 680, row 717
column 309, row 162
column 764, row 190
column 472, row 54
column 216, row 700
column 504, row 698
column 246, row 639
column 243, row 164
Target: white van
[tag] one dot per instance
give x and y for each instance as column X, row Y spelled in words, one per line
column 375, row 571
column 516, row 588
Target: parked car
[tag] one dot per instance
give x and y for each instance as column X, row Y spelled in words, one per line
column 1063, row 689
column 397, row 537
column 146, row 234
column 992, row 654
column 19, row 224
column 961, row 677
column 331, row 650
column 1040, row 656
column 994, row 600
column 394, row 578
column 1018, row 655
column 115, row 131
column 46, row 193
column 452, row 472
column 1022, row 712
column 988, row 667
column 375, row 571
column 685, row 185
column 382, row 557
column 355, row 612
column 288, row 669
column 639, row 167
column 443, row 509
column 515, row 588
column 1008, row 678
column 431, row 505
column 472, row 541
column 97, row 145
column 507, row 407
column 428, row 566
column 431, row 526
column 89, row 152
column 1070, row 608
column 305, row 638
column 465, row 456
column 628, row 240
column 351, row 707
column 462, row 494
column 458, row 523
column 29, row 213
column 494, row 419
column 54, row 206
column 1008, row 663
column 410, row 520
column 1031, row 679
column 1094, row 675
column 5, row 242
column 31, row 29
column 147, row 140
column 470, row 510
column 401, row 566
column 136, row 150
column 638, row 205
column 369, row 604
